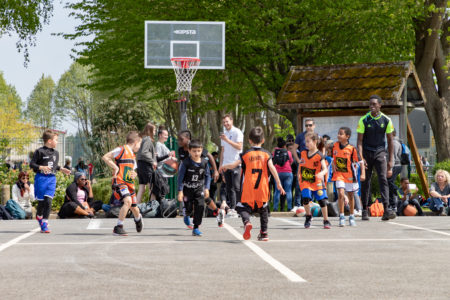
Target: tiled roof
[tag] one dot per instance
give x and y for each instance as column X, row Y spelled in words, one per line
column 351, row 85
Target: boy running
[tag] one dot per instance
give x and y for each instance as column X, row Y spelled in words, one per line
column 345, row 160
column 194, row 180
column 256, row 164
column 122, row 161
column 45, row 165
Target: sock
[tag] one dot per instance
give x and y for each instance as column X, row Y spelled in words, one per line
column 341, row 215
column 44, row 221
column 119, row 222
column 138, row 218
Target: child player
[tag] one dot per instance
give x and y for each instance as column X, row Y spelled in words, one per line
column 45, row 165
column 345, row 158
column 256, row 164
column 194, row 179
column 122, row 161
column 311, row 176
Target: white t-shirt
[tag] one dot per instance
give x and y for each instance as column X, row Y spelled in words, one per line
column 231, row 154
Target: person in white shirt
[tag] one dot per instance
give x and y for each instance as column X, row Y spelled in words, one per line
column 23, row 193
column 231, row 148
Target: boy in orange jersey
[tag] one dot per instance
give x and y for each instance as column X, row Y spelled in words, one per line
column 345, row 160
column 256, row 164
column 311, row 177
column 123, row 163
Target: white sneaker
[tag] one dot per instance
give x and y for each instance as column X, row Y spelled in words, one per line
column 232, row 214
column 294, row 209
column 357, row 213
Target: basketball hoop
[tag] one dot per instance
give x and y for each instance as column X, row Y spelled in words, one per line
column 185, row 69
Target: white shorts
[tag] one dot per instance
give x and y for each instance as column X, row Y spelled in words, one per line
column 349, row 187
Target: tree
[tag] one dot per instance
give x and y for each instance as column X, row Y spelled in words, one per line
column 8, row 94
column 432, row 64
column 25, row 18
column 41, row 107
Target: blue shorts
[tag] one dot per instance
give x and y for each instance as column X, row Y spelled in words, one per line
column 318, row 195
column 44, row 186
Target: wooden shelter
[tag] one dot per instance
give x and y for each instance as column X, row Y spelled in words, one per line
column 344, row 90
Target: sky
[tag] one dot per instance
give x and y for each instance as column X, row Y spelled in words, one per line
column 50, row 56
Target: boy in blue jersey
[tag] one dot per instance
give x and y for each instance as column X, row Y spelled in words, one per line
column 45, row 165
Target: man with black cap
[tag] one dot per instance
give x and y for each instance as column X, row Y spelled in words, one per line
column 373, row 128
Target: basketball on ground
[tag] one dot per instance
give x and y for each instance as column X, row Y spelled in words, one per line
column 315, row 209
column 410, row 210
column 300, row 212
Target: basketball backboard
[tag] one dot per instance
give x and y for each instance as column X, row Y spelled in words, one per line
column 165, row 40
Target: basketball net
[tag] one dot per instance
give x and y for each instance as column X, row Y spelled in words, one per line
column 185, row 69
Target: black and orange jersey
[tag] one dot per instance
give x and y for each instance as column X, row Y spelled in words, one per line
column 344, row 159
column 309, row 167
column 126, row 161
column 255, row 171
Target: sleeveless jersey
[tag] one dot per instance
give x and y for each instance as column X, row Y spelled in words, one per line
column 126, row 162
column 194, row 177
column 309, row 168
column 255, row 170
column 344, row 160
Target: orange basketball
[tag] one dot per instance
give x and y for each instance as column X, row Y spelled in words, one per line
column 170, row 166
column 410, row 210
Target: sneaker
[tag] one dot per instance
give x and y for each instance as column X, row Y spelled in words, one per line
column 388, row 215
column 247, row 235
column 263, row 236
column 308, row 221
column 351, row 221
column 139, row 225
column 187, row 221
column 327, row 224
column 221, row 217
column 341, row 221
column 365, row 215
column 232, row 214
column 357, row 213
column 294, row 209
column 196, row 232
column 118, row 230
column 44, row 227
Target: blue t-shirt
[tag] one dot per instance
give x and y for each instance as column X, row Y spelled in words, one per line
column 300, row 141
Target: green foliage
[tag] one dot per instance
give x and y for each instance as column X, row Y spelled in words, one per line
column 41, row 107
column 24, row 18
column 284, row 129
column 443, row 165
column 8, row 94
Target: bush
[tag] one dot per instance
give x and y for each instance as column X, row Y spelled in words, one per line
column 444, row 165
column 102, row 190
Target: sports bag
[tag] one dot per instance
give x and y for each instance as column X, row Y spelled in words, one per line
column 280, row 157
column 160, row 186
column 150, row 209
column 15, row 210
column 4, row 214
column 376, row 209
column 168, row 208
column 405, row 157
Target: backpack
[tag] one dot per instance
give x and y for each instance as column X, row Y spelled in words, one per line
column 160, row 187
column 150, row 209
column 15, row 210
column 376, row 209
column 280, row 157
column 4, row 214
column 168, row 208
column 405, row 157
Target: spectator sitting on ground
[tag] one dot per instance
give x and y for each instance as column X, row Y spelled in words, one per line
column 23, row 193
column 440, row 192
column 406, row 198
column 78, row 196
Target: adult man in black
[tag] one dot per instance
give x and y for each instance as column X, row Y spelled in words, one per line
column 372, row 131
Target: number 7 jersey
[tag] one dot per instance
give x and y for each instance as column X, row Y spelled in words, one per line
column 255, row 179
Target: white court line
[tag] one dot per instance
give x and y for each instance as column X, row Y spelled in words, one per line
column 355, row 240
column 289, row 222
column 94, row 224
column 101, row 243
column 266, row 257
column 18, row 239
column 421, row 228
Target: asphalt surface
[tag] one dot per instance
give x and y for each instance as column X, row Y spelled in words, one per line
column 406, row 258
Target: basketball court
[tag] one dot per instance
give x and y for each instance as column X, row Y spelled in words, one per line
column 403, row 259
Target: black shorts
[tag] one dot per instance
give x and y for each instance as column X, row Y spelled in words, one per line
column 145, row 172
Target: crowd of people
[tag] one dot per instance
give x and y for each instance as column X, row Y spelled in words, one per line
column 308, row 168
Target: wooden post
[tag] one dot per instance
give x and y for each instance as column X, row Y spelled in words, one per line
column 299, row 122
column 416, row 157
column 403, row 122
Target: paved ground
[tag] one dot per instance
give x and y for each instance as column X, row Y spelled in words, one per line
column 404, row 259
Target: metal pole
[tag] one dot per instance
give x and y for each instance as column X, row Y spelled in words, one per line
column 404, row 124
column 185, row 96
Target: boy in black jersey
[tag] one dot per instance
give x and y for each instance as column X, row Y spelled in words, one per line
column 45, row 165
column 193, row 184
